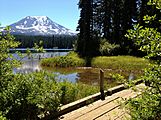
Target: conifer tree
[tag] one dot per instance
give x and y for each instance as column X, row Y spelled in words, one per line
column 87, row 42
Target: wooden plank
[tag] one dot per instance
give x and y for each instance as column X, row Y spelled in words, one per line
column 94, row 114
column 79, row 112
column 94, row 107
column 86, row 109
column 116, row 113
column 100, row 110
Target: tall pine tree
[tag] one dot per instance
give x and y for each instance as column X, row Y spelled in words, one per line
column 87, row 39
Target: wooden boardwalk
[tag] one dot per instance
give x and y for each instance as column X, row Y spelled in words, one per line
column 108, row 109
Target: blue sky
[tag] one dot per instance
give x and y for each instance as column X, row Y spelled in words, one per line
column 64, row 12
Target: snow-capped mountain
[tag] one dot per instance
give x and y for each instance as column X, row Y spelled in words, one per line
column 39, row 25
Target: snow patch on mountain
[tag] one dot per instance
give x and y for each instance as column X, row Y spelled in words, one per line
column 39, row 25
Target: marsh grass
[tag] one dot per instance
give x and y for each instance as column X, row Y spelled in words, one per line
column 125, row 66
column 70, row 60
column 120, row 63
column 123, row 63
column 113, row 66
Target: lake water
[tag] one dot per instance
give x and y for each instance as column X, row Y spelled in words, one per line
column 84, row 75
column 32, row 63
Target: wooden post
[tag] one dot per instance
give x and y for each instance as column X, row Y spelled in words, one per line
column 39, row 57
column 102, row 84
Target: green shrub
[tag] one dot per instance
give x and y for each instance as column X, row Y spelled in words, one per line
column 148, row 105
column 29, row 96
column 2, row 117
column 38, row 95
column 86, row 90
column 106, row 48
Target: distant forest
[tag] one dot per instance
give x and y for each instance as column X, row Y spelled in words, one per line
column 60, row 41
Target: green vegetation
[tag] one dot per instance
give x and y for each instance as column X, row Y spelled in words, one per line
column 29, row 96
column 72, row 92
column 148, row 105
column 38, row 95
column 2, row 117
column 126, row 63
column 70, row 60
column 32, row 96
column 117, row 67
column 124, row 66
column 106, row 48
column 115, row 63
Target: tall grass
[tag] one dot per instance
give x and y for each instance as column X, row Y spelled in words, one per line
column 70, row 60
column 74, row 91
column 126, row 63
column 125, row 66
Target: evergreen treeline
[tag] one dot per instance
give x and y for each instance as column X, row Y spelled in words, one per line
column 110, row 20
column 60, row 41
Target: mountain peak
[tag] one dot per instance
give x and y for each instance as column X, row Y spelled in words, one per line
column 37, row 17
column 39, row 25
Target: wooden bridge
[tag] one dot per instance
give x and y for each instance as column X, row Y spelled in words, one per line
column 108, row 109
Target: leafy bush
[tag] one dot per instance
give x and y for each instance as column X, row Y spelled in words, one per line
column 106, row 48
column 29, row 96
column 6, row 66
column 37, row 95
column 2, row 117
column 148, row 105
column 69, row 92
column 145, row 108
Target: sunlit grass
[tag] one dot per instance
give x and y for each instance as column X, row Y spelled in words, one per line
column 112, row 65
column 123, row 65
column 127, row 63
column 72, row 92
column 70, row 60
